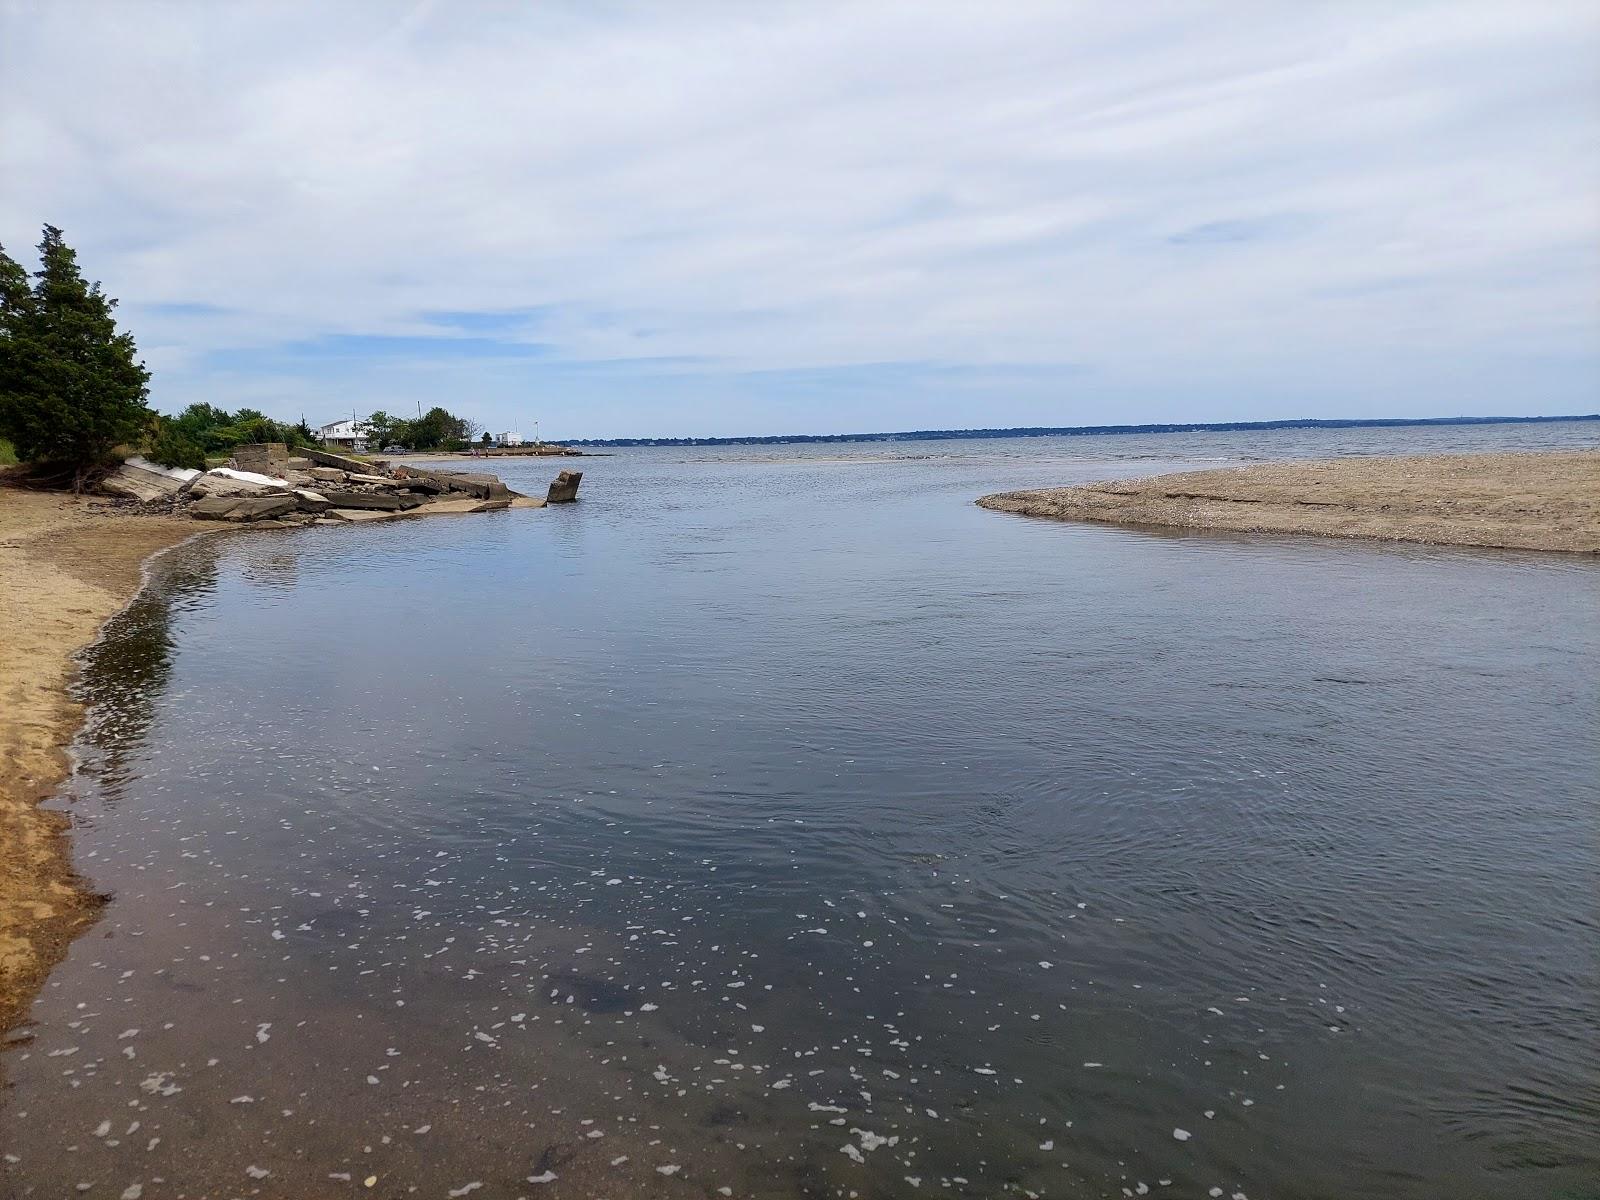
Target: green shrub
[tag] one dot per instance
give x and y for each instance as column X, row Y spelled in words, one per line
column 172, row 447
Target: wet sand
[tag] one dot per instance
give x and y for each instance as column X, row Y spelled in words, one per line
column 1527, row 501
column 66, row 566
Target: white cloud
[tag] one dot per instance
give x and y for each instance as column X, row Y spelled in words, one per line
column 1200, row 210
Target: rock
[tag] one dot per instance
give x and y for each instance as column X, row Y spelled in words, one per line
column 243, row 508
column 312, row 502
column 526, row 502
column 327, row 474
column 565, row 487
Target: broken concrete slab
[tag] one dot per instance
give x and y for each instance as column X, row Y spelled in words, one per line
column 459, row 504
column 313, row 502
column 225, row 481
column 144, row 480
column 242, row 508
column 378, row 501
column 526, row 502
column 269, row 458
column 376, row 480
column 327, row 474
column 415, row 483
column 324, row 459
column 361, row 514
column 485, row 487
column 369, row 501
column 564, row 489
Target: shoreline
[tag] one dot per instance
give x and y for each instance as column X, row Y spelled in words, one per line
column 1529, row 500
column 67, row 567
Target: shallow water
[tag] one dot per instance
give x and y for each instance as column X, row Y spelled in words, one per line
column 775, row 820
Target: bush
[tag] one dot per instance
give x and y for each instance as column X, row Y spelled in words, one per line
column 172, row 447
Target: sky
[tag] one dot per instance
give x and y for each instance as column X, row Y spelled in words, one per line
column 715, row 219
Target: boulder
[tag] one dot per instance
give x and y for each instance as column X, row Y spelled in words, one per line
column 242, row 508
column 565, row 487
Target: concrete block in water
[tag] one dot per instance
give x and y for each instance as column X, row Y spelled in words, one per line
column 565, row 487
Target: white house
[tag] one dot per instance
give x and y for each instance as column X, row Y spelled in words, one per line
column 508, row 439
column 349, row 435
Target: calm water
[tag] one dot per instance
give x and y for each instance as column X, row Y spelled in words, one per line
column 778, row 823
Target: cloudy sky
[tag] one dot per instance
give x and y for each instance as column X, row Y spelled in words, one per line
column 683, row 218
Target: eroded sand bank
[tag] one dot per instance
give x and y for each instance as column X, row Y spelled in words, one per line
column 1530, row 501
column 66, row 566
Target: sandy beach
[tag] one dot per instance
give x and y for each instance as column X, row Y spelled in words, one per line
column 1527, row 501
column 66, row 566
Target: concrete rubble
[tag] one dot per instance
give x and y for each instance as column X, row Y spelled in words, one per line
column 145, row 481
column 314, row 486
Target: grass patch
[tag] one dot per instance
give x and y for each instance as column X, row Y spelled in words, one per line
column 8, row 454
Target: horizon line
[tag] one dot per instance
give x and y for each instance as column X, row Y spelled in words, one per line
column 1074, row 430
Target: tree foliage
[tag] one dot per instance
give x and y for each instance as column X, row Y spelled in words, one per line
column 71, row 386
column 436, row 429
column 214, row 429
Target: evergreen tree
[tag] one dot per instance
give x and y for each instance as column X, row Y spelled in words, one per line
column 71, row 387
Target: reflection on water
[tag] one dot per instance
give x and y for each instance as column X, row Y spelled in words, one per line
column 789, row 826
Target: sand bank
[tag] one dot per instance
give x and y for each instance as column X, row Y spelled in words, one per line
column 1547, row 500
column 66, row 566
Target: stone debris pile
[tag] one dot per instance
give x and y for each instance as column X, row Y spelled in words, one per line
column 318, row 487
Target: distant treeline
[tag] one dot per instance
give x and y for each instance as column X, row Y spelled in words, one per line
column 935, row 435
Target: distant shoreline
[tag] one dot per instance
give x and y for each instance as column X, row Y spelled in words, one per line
column 1537, row 500
column 934, row 435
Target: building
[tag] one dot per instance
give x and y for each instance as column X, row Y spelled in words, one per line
column 508, row 439
column 347, row 435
